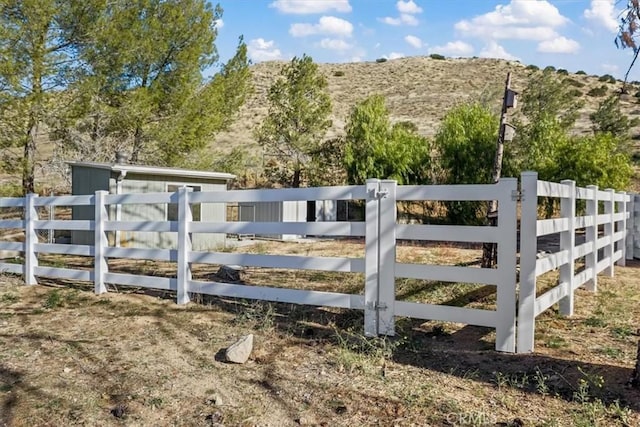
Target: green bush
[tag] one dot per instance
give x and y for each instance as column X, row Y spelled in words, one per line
column 637, row 95
column 549, row 68
column 562, row 72
column 598, row 91
column 381, row 60
column 608, row 78
column 573, row 82
column 436, row 56
column 582, row 73
column 532, row 67
column 338, row 73
column 576, row 93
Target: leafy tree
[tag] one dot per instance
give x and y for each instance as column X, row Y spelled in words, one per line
column 550, row 111
column 145, row 64
column 376, row 149
column 592, row 160
column 465, row 143
column 298, row 118
column 39, row 44
column 608, row 118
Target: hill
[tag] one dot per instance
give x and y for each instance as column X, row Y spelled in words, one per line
column 418, row 89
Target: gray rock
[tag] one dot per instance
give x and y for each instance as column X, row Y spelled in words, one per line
column 230, row 273
column 240, row 351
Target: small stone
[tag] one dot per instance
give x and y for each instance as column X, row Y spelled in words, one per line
column 240, row 351
column 66, row 370
column 306, row 419
column 230, row 273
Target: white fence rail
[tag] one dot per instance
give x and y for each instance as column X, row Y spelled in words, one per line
column 379, row 262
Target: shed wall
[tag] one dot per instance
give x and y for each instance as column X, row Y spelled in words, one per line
column 86, row 181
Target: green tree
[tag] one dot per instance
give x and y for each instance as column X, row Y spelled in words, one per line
column 465, row 143
column 39, row 44
column 376, row 149
column 550, row 111
column 145, row 84
column 609, row 118
column 298, row 118
column 592, row 160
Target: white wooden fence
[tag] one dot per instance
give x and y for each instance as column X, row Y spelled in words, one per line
column 379, row 264
column 612, row 243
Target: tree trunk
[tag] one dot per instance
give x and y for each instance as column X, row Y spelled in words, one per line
column 296, row 178
column 137, row 145
column 29, row 160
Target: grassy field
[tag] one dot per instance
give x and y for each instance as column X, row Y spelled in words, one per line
column 133, row 357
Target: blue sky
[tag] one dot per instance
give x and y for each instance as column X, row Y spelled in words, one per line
column 571, row 34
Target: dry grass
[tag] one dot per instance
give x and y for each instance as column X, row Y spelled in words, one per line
column 68, row 357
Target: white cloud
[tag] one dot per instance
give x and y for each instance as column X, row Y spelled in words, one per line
column 219, row 23
column 408, row 7
column 334, row 44
column 610, row 68
column 413, row 41
column 261, row 50
column 403, row 19
column 466, row 28
column 395, row 55
column 457, row 48
column 494, row 50
column 356, row 59
column 328, row 25
column 559, row 45
column 520, row 19
column 303, row 7
column 602, row 12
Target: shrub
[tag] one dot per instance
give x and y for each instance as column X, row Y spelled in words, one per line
column 381, row 60
column 562, row 72
column 573, row 82
column 576, row 93
column 608, row 78
column 436, row 56
column 598, row 91
column 582, row 73
column 532, row 67
column 338, row 73
column 637, row 95
column 549, row 68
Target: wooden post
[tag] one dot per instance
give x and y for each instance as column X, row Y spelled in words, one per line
column 489, row 253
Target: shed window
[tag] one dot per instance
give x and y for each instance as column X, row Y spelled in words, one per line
column 172, row 208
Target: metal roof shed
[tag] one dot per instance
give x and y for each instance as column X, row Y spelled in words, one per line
column 121, row 178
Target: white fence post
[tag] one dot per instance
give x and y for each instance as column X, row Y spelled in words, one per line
column 101, row 268
column 609, row 229
column 628, row 211
column 591, row 236
column 387, row 258
column 30, row 240
column 372, row 261
column 185, row 216
column 622, row 208
column 568, row 243
column 528, row 250
column 507, row 229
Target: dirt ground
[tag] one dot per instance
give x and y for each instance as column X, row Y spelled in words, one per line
column 132, row 357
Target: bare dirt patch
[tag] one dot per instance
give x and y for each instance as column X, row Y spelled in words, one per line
column 69, row 357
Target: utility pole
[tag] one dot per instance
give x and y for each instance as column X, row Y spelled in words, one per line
column 489, row 250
